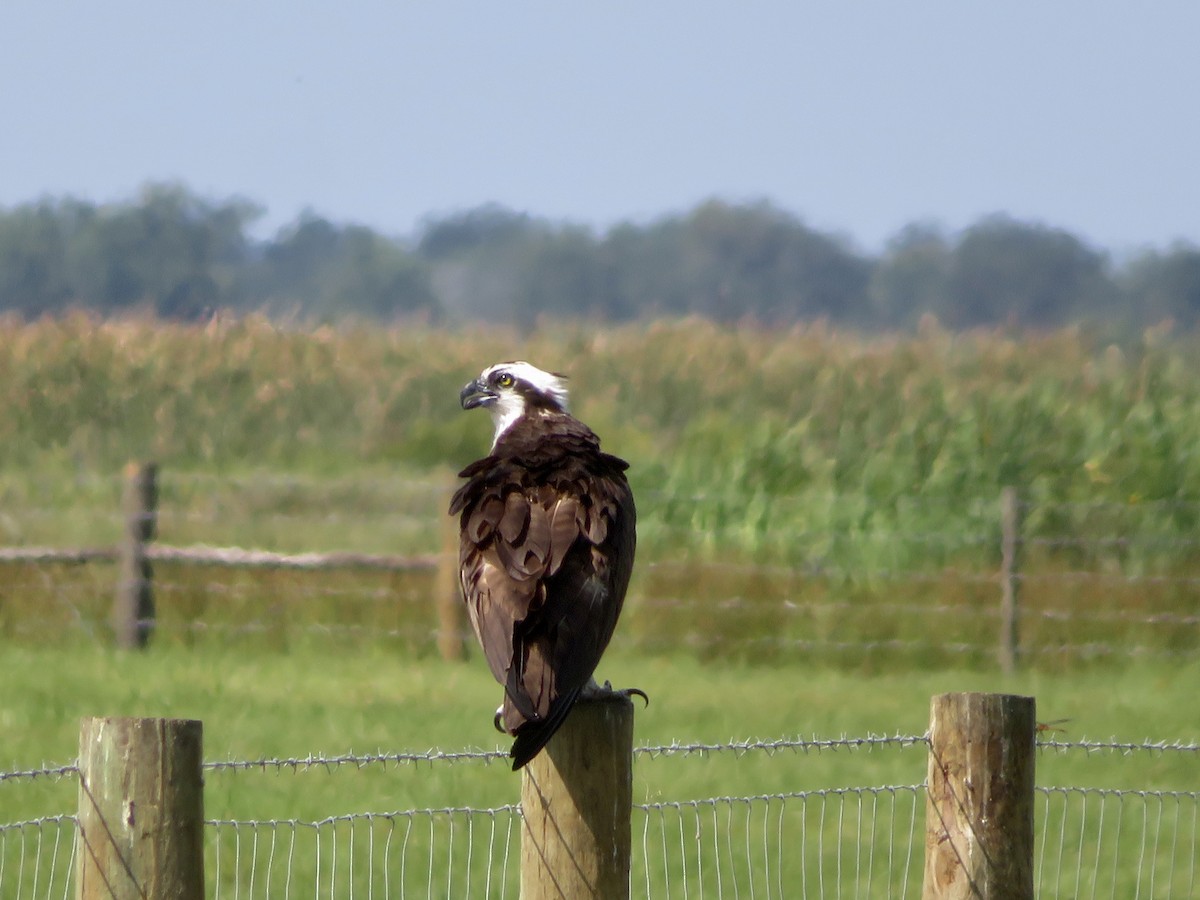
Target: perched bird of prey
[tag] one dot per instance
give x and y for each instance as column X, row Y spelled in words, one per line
column 546, row 549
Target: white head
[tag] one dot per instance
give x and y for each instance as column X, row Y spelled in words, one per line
column 510, row 390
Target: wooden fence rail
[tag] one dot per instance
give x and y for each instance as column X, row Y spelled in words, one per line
column 141, row 810
column 133, row 612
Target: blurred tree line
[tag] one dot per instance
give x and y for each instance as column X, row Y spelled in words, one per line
column 181, row 255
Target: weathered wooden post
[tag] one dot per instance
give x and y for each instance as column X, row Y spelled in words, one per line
column 133, row 607
column 141, row 809
column 1010, row 549
column 576, row 801
column 451, row 611
column 979, row 805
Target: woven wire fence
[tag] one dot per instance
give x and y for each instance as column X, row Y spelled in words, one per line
column 1114, row 842
column 37, row 857
column 835, row 841
column 447, row 852
column 769, row 844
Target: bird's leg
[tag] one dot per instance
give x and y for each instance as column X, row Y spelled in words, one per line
column 594, row 691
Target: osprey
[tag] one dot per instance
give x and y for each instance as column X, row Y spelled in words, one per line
column 545, row 549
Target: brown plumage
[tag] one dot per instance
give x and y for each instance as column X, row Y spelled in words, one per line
column 546, row 549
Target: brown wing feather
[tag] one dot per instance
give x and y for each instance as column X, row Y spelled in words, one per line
column 546, row 551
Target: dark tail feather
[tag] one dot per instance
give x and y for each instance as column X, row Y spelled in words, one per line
column 533, row 736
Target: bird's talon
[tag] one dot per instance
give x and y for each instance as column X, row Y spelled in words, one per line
column 636, row 692
column 496, row 720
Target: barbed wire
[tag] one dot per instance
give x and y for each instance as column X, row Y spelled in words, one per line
column 694, row 640
column 512, row 808
column 951, row 538
column 790, row 605
column 772, row 747
column 1112, row 745
column 698, row 640
column 1108, row 505
column 350, row 759
column 738, row 748
column 1109, row 578
column 51, row 772
column 1122, row 542
column 793, row 606
column 650, row 751
column 235, row 557
column 357, row 760
column 814, row 570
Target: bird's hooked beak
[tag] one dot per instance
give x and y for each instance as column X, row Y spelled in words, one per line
column 476, row 393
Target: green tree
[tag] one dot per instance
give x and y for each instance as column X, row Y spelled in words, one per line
column 1008, row 271
column 729, row 262
column 33, row 246
column 911, row 278
column 172, row 251
column 318, row 268
column 1165, row 286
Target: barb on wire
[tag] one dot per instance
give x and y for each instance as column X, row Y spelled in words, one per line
column 357, row 760
column 54, row 773
column 771, row 747
column 511, row 808
column 1126, row 748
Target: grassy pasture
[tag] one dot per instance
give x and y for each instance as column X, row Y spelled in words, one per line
column 290, row 704
column 793, row 487
column 862, row 468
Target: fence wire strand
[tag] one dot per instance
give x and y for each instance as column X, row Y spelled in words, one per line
column 1092, row 842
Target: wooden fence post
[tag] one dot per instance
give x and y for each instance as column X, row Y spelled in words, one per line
column 451, row 611
column 979, row 800
column 576, row 801
column 141, row 809
column 133, row 607
column 1010, row 549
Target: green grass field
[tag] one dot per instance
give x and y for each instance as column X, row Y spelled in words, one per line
column 331, row 702
column 818, row 516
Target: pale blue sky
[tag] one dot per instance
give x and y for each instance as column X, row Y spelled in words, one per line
column 859, row 117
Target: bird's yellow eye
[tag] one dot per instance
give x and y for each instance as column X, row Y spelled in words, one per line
column 505, row 380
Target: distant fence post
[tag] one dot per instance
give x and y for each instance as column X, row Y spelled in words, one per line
column 576, row 802
column 451, row 613
column 141, row 809
column 1010, row 549
column 979, row 800
column 133, row 607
